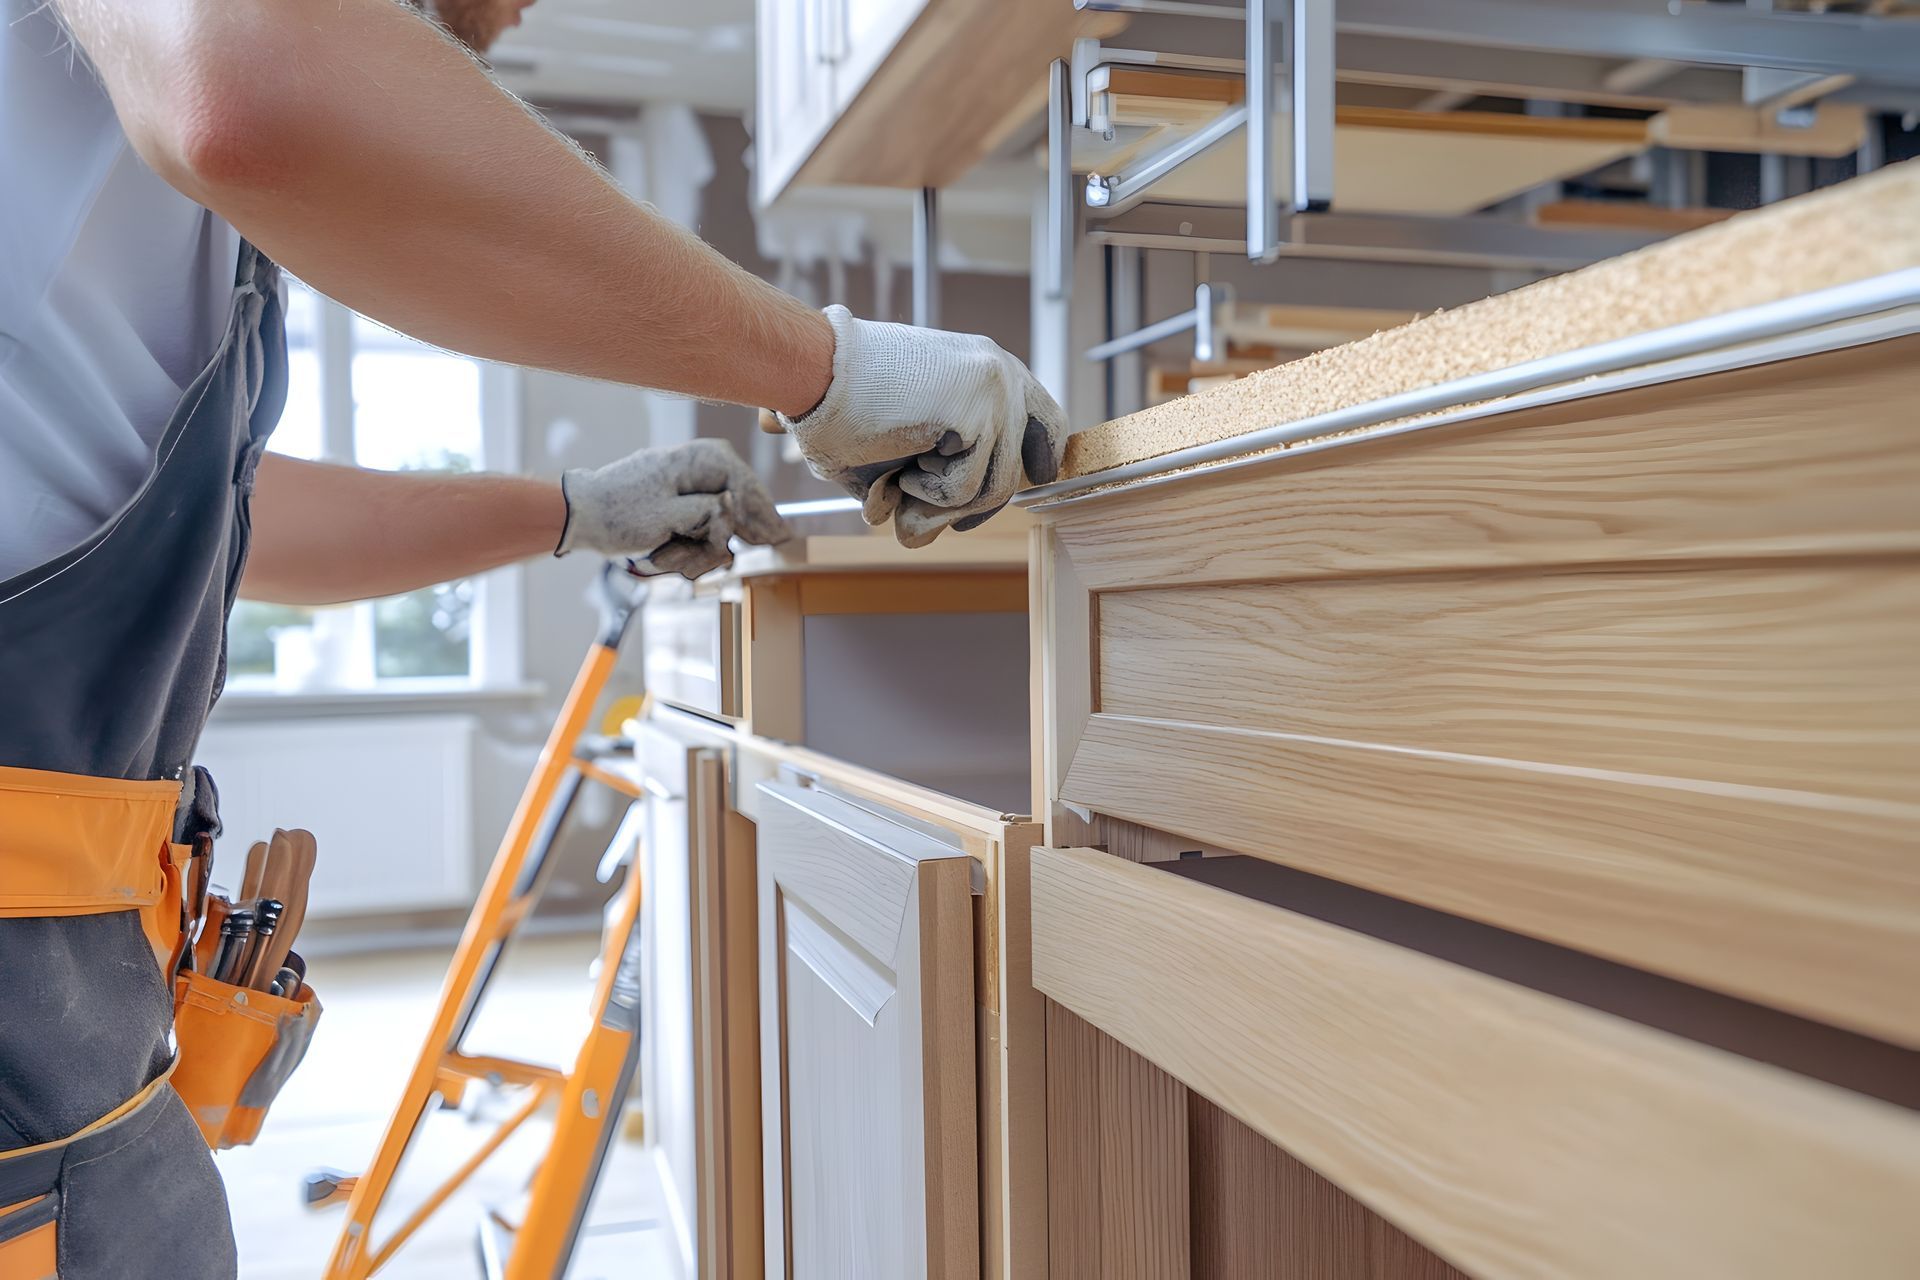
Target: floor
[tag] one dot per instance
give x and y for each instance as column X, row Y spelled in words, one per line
column 334, row 1109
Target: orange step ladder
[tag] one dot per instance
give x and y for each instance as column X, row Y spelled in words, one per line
column 592, row 1096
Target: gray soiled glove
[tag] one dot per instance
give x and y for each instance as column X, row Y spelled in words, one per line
column 928, row 429
column 669, row 510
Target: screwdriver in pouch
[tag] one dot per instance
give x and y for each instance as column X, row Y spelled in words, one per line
column 266, row 919
column 234, row 931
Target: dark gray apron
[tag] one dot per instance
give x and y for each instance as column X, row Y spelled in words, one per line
column 111, row 657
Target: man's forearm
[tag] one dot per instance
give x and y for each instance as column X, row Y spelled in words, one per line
column 326, row 534
column 363, row 150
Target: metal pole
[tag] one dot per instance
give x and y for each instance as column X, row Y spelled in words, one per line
column 1773, row 179
column 1126, row 374
column 926, row 259
column 1311, row 62
column 1205, row 346
column 1059, row 256
column 1263, row 207
column 1872, row 153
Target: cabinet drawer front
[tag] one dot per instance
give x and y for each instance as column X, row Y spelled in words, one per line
column 868, row 1089
column 1517, row 1133
column 1609, row 674
column 693, row 655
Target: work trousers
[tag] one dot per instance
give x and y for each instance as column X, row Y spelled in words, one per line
column 85, row 1022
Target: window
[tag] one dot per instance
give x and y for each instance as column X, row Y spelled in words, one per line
column 363, row 394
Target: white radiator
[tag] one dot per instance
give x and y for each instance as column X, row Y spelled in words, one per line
column 388, row 798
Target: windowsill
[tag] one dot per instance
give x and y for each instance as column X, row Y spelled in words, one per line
column 261, row 704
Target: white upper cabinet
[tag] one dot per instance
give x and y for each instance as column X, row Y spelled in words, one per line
column 814, row 58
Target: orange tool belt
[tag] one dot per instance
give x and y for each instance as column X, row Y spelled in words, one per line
column 74, row 845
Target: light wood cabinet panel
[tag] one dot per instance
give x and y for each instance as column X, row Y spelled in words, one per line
column 700, row 1074
column 869, row 1124
column 1637, row 674
column 1756, row 677
column 1514, row 1132
column 1807, row 457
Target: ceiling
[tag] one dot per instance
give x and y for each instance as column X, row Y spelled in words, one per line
column 632, row 51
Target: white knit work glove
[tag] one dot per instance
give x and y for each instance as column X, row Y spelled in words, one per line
column 928, row 428
column 669, row 510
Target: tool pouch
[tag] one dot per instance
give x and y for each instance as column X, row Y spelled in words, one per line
column 237, row 1048
column 28, row 1238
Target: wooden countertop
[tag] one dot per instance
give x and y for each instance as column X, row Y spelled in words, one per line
column 994, row 548
column 1860, row 229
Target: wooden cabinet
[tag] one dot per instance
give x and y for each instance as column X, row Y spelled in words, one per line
column 699, row 1073
column 900, row 93
column 815, row 57
column 868, row 1092
column 795, row 102
column 1564, row 755
column 897, row 1069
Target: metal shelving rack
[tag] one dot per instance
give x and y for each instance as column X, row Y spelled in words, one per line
column 1289, row 50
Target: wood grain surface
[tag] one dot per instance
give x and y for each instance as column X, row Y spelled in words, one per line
column 1513, row 1132
column 1808, row 457
column 1640, row 674
column 1807, row 902
column 1258, row 1213
column 903, row 128
column 1117, row 1160
column 1797, row 678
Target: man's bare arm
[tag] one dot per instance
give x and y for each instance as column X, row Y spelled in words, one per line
column 325, row 534
column 356, row 144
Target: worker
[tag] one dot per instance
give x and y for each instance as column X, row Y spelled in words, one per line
column 160, row 161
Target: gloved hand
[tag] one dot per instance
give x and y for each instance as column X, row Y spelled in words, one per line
column 928, row 428
column 669, row 510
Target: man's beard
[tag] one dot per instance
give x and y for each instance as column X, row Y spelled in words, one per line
column 474, row 23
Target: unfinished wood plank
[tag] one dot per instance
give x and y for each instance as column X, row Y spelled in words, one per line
column 1629, row 214
column 1019, row 1119
column 1117, row 1160
column 1799, row 678
column 1259, row 1213
column 773, row 661
column 1001, row 591
column 1515, row 1133
column 1835, row 129
column 1063, row 632
column 1810, row 903
column 1808, row 457
column 1073, row 1147
column 1303, row 328
column 1144, row 1195
column 1850, row 232
column 742, row 1217
column 948, row 1066
column 1386, row 160
column 995, row 545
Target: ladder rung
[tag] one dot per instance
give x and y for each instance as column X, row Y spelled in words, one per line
column 467, row 1066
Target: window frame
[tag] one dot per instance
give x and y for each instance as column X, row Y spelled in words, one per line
column 495, row 643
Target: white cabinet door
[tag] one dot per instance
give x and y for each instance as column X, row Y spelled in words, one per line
column 863, row 35
column 794, row 99
column 868, row 1086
